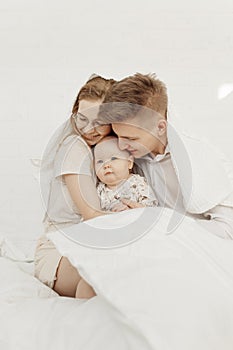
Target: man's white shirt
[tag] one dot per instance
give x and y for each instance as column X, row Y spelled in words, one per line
column 163, row 178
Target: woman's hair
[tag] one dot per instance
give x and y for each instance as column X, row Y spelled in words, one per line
column 94, row 89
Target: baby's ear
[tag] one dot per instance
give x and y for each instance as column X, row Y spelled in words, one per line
column 131, row 161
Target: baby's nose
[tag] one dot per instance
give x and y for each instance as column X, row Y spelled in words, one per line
column 107, row 164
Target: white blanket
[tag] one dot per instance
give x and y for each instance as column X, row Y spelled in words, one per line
column 162, row 292
column 175, row 290
column 33, row 317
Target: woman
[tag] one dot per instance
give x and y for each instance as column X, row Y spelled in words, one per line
column 66, row 172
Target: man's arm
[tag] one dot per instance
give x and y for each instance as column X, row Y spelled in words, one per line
column 219, row 221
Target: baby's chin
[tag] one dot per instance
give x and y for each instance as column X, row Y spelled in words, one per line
column 114, row 183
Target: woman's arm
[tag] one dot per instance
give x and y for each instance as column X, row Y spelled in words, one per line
column 83, row 192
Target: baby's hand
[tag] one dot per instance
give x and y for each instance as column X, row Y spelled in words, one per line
column 119, row 207
column 131, row 204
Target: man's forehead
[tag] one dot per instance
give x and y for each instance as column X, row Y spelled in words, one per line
column 131, row 128
column 145, row 119
column 124, row 128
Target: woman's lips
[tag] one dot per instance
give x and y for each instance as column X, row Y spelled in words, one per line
column 91, row 137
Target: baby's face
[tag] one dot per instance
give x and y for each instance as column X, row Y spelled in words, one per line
column 111, row 164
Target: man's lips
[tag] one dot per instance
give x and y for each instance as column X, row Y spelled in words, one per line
column 132, row 150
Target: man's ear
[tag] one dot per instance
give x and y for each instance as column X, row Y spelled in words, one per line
column 162, row 127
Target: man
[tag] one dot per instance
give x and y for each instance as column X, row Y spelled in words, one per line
column 185, row 173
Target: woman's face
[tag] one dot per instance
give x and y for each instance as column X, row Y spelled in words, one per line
column 86, row 122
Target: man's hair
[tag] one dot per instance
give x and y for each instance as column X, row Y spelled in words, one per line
column 128, row 96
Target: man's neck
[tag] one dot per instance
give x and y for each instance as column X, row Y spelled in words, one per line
column 160, row 150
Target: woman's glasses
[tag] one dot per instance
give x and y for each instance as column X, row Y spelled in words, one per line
column 84, row 121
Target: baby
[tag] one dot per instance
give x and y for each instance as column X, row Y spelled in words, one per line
column 113, row 169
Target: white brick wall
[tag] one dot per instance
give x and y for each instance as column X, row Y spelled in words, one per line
column 49, row 48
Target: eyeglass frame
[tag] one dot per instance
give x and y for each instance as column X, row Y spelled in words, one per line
column 93, row 122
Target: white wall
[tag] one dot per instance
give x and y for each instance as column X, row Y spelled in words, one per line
column 49, row 48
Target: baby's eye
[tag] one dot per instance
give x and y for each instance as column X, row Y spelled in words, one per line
column 114, row 158
column 99, row 161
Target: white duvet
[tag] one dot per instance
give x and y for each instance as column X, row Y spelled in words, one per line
column 176, row 290
column 162, row 292
column 33, row 317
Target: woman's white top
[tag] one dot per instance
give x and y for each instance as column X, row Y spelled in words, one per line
column 73, row 157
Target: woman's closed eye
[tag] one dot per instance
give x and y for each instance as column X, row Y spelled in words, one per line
column 99, row 124
column 83, row 119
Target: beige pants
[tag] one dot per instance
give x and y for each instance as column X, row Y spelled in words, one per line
column 47, row 259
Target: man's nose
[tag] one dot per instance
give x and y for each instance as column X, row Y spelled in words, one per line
column 122, row 144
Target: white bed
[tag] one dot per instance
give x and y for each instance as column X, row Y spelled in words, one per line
column 162, row 292
column 47, row 52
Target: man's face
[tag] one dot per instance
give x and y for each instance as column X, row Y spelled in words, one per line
column 136, row 140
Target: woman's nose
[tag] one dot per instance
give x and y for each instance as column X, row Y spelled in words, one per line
column 89, row 127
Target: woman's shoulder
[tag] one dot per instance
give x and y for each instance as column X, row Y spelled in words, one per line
column 73, row 150
column 74, row 143
column 74, row 139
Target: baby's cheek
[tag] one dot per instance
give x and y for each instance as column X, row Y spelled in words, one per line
column 99, row 172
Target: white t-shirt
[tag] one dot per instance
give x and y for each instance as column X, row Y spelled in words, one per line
column 73, row 157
